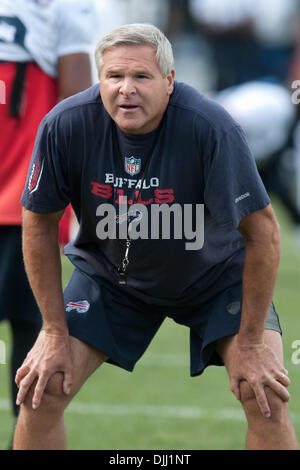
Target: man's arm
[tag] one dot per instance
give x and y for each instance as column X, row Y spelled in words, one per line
column 261, row 233
column 74, row 74
column 51, row 352
column 43, row 266
column 253, row 360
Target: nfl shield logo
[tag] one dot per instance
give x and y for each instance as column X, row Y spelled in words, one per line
column 132, row 165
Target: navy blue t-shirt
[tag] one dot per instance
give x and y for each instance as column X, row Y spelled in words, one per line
column 196, row 162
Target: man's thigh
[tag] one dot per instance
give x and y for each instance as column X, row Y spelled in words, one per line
column 225, row 346
column 86, row 359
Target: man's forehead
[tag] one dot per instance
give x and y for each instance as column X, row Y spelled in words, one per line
column 133, row 53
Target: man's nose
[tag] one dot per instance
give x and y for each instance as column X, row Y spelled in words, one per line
column 127, row 87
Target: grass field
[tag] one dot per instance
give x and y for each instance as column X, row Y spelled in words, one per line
column 159, row 406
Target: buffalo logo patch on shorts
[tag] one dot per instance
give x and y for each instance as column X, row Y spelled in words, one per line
column 81, row 306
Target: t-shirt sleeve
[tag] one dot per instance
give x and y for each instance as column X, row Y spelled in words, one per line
column 47, row 189
column 233, row 187
column 76, row 26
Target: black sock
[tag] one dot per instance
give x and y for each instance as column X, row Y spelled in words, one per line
column 23, row 338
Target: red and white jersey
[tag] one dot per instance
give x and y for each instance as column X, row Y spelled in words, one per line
column 43, row 30
column 38, row 32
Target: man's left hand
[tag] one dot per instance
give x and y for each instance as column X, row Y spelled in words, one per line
column 259, row 366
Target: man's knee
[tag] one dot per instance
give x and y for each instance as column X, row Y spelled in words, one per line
column 53, row 399
column 54, row 387
column 279, row 408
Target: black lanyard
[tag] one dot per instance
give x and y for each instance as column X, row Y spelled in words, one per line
column 122, row 268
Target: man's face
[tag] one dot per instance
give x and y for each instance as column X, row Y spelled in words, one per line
column 133, row 90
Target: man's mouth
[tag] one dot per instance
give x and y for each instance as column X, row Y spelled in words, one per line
column 128, row 107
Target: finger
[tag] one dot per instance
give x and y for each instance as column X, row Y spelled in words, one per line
column 235, row 388
column 39, row 390
column 24, row 386
column 21, row 372
column 279, row 389
column 262, row 401
column 283, row 379
column 67, row 382
column 283, row 370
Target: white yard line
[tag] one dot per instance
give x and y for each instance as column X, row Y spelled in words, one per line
column 144, row 410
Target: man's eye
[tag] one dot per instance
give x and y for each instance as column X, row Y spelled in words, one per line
column 142, row 76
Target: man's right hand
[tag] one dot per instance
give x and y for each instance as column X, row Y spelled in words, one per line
column 50, row 354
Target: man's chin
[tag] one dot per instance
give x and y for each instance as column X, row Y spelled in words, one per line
column 131, row 128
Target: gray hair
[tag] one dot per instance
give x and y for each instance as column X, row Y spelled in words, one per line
column 138, row 34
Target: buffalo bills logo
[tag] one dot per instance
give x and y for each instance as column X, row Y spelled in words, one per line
column 132, row 165
column 35, row 176
column 129, row 217
column 81, row 306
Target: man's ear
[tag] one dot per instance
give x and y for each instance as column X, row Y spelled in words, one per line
column 171, row 78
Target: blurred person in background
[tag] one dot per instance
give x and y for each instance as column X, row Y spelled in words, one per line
column 143, row 11
column 255, row 41
column 269, row 118
column 228, row 28
column 192, row 54
column 249, row 39
column 275, row 24
column 112, row 14
column 44, row 58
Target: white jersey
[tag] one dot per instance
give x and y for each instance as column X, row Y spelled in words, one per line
column 43, row 30
column 266, row 113
column 274, row 21
column 222, row 13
